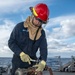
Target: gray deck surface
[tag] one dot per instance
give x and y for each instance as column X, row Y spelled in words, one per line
column 55, row 73
column 59, row 73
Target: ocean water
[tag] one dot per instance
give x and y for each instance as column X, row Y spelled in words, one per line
column 54, row 63
column 4, row 61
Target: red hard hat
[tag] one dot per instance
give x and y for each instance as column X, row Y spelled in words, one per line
column 40, row 11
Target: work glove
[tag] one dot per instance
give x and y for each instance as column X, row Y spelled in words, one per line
column 25, row 57
column 40, row 66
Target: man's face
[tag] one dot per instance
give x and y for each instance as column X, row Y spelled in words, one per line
column 36, row 22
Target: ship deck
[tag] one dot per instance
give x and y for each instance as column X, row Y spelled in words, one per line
column 54, row 73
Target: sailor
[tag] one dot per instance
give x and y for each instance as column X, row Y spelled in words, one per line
column 27, row 37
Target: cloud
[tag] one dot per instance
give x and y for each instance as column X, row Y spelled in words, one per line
column 58, row 38
column 68, row 27
column 57, row 20
column 5, row 30
column 61, row 29
column 9, row 6
column 16, row 6
column 62, row 25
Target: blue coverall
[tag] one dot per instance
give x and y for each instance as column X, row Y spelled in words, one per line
column 19, row 41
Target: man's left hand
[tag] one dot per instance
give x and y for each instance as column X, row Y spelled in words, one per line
column 40, row 66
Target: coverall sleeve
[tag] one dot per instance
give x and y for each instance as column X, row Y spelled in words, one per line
column 12, row 42
column 43, row 49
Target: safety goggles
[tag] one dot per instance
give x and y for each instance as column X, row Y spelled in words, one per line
column 43, row 22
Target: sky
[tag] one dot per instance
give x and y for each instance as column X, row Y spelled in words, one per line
column 60, row 29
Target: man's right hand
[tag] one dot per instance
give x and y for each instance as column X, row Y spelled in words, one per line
column 25, row 57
